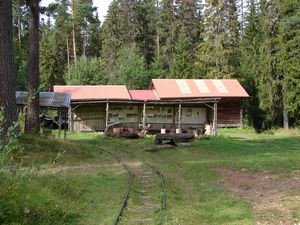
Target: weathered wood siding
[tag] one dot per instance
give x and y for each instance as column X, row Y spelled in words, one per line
column 91, row 117
column 229, row 113
column 88, row 117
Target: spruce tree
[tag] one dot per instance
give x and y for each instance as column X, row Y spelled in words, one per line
column 130, row 69
column 289, row 58
column 167, row 32
column 111, row 37
column 145, row 14
column 183, row 62
column 251, row 41
column 189, row 18
column 48, row 59
column 218, row 55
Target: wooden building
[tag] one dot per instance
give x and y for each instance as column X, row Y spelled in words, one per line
column 169, row 104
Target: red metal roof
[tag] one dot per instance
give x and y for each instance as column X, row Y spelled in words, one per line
column 144, row 95
column 193, row 88
column 96, row 92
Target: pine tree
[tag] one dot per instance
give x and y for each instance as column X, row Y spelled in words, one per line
column 7, row 81
column 218, row 55
column 32, row 124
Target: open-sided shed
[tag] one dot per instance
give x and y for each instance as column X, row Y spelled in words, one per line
column 169, row 103
column 49, row 100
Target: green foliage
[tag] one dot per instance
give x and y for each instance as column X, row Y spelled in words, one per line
column 218, row 54
column 111, row 42
column 130, row 69
column 258, row 43
column 86, row 71
column 157, row 69
column 290, row 55
column 11, row 142
column 51, row 189
column 48, row 60
column 183, row 61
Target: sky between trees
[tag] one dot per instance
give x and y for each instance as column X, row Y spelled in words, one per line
column 102, row 6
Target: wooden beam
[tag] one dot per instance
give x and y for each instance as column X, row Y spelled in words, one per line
column 179, row 117
column 70, row 118
column 215, row 119
column 59, row 124
column 65, row 127
column 144, row 116
column 107, row 113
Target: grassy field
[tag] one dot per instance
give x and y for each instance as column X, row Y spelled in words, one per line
column 79, row 184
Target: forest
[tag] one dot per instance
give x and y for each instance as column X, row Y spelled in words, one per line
column 254, row 41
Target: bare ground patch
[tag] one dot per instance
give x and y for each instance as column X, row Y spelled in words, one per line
column 275, row 197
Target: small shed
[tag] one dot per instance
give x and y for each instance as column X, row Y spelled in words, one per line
column 49, row 100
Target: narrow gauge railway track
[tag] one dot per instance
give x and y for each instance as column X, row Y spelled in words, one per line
column 162, row 185
column 131, row 178
column 132, row 175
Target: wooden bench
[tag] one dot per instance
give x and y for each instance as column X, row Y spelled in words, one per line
column 173, row 139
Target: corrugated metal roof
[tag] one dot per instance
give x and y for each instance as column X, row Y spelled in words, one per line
column 96, row 92
column 196, row 88
column 144, row 95
column 47, row 99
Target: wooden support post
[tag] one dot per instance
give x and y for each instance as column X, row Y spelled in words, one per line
column 179, row 118
column 70, row 118
column 59, row 123
column 107, row 114
column 241, row 117
column 65, row 125
column 215, row 119
column 144, row 116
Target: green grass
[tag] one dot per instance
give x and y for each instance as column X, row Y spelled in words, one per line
column 70, row 183
column 89, row 194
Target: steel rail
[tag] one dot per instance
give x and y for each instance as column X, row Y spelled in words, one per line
column 162, row 187
column 163, row 193
column 131, row 178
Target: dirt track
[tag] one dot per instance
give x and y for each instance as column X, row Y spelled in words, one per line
column 275, row 197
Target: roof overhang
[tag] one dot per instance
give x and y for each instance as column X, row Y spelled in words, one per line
column 52, row 100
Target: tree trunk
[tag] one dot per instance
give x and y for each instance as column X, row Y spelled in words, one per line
column 68, row 57
column 19, row 28
column 32, row 124
column 285, row 114
column 7, row 81
column 73, row 31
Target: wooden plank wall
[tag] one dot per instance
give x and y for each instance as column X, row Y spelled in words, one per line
column 229, row 113
column 91, row 117
column 88, row 117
